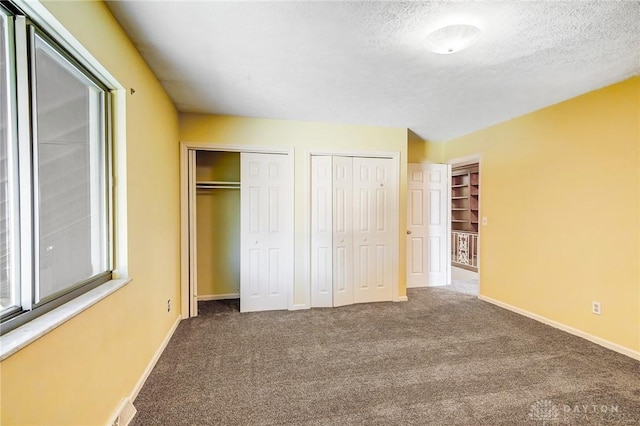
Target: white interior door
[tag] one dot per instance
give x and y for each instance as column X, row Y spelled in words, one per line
column 342, row 231
column 428, row 257
column 266, row 268
column 417, row 229
column 321, row 231
column 374, row 189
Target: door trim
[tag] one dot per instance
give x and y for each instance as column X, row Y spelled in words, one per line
column 393, row 155
column 186, row 271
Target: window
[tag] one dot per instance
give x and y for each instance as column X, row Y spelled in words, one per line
column 8, row 294
column 54, row 175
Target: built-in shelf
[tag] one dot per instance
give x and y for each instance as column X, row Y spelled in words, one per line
column 465, row 215
column 465, row 194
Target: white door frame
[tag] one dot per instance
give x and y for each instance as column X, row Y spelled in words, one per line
column 465, row 161
column 393, row 155
column 187, row 232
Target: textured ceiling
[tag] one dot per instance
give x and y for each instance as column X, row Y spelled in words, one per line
column 364, row 62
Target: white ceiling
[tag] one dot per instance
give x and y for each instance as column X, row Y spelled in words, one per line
column 364, row 62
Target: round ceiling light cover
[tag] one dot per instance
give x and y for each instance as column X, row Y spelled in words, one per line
column 452, row 38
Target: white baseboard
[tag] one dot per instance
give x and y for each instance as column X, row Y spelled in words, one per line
column 402, row 299
column 597, row 340
column 145, row 375
column 206, row 297
column 299, row 306
column 154, row 360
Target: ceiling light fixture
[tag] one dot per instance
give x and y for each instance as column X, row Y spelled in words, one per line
column 452, row 38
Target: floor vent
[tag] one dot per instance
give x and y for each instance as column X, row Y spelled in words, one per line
column 126, row 411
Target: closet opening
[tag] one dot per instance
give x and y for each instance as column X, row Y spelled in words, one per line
column 217, row 204
column 237, row 228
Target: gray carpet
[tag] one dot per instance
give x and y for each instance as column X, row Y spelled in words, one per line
column 469, row 287
column 442, row 358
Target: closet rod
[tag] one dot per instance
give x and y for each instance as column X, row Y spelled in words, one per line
column 217, row 182
column 216, row 187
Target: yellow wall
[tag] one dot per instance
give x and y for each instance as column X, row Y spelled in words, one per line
column 218, row 224
column 305, row 137
column 561, row 188
column 420, row 150
column 79, row 373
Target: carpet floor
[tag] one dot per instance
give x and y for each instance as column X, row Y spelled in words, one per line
column 442, row 358
column 469, row 287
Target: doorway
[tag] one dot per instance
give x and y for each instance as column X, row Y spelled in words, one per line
column 466, row 221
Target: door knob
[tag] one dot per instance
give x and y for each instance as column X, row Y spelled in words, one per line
column 342, row 240
column 408, row 232
column 364, row 238
column 255, row 242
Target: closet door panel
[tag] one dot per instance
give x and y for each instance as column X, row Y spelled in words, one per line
column 362, row 217
column 385, row 188
column 321, row 231
column 342, row 231
column 375, row 183
column 266, row 219
column 253, row 283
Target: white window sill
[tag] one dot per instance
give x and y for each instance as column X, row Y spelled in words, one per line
column 22, row 336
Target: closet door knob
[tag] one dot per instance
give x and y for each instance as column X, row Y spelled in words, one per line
column 255, row 242
column 342, row 240
column 364, row 238
column 408, row 232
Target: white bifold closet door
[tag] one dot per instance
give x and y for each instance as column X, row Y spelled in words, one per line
column 342, row 238
column 353, row 215
column 266, row 266
column 428, row 233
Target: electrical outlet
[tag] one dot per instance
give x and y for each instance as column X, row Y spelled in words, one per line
column 485, row 221
column 168, row 305
column 596, row 308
